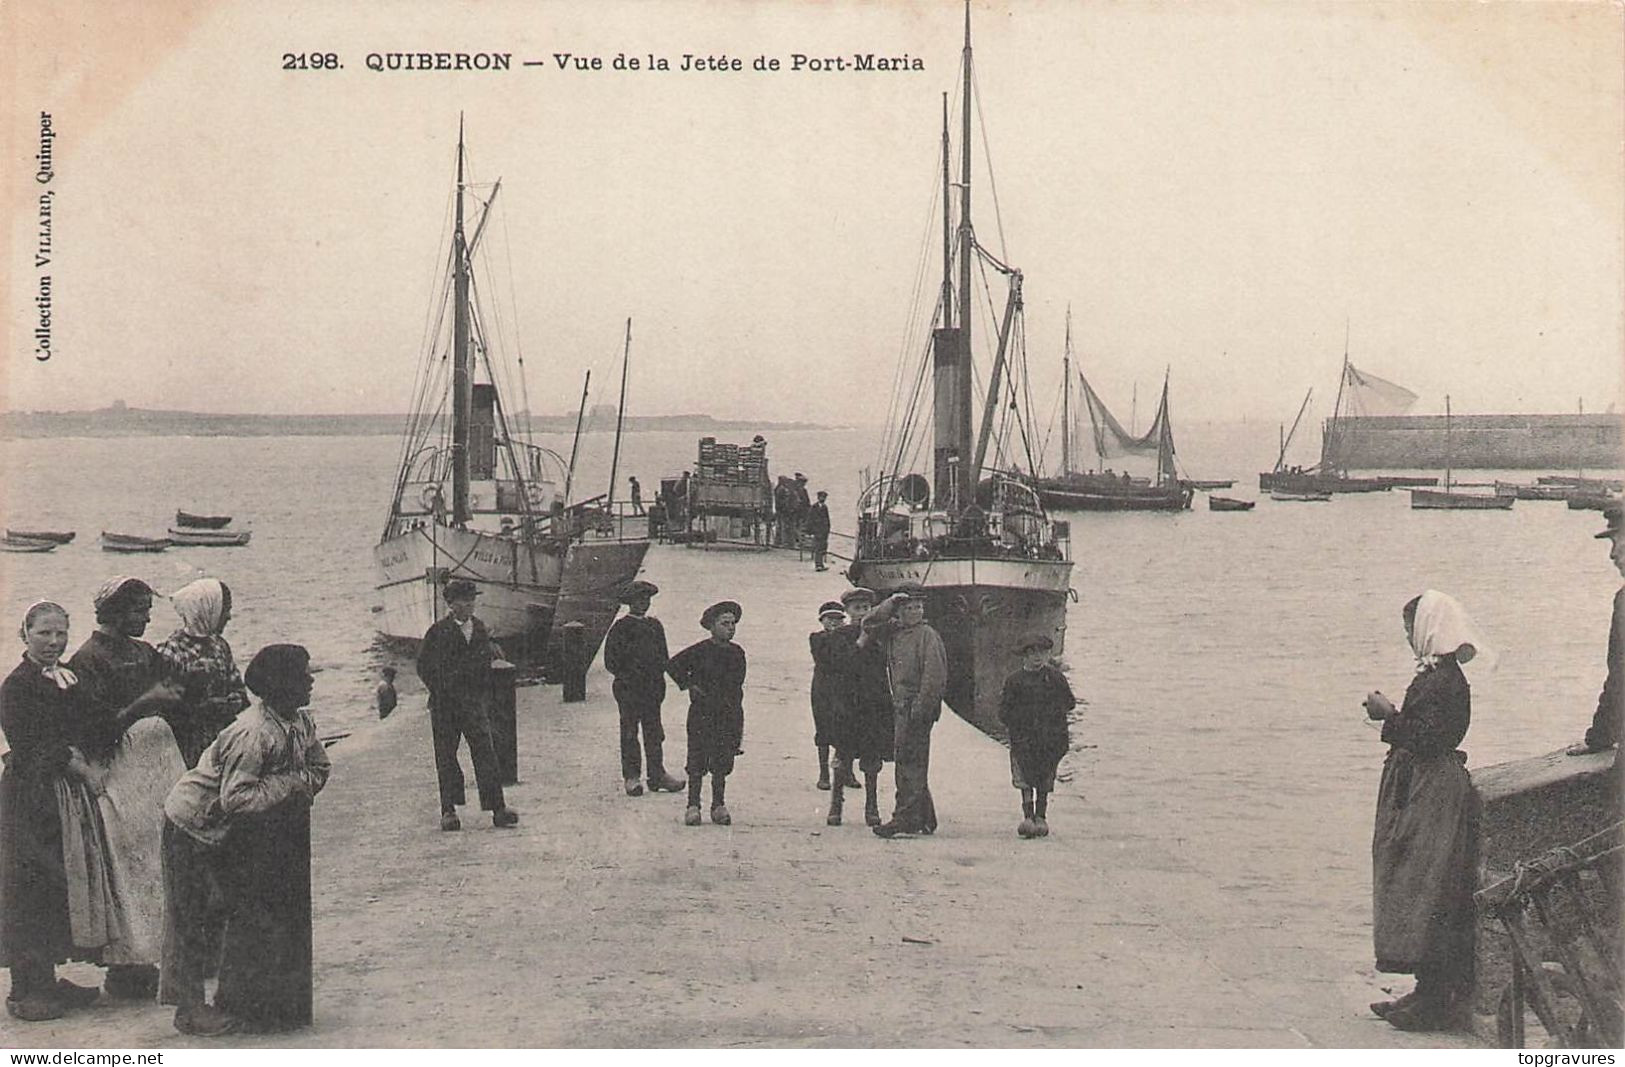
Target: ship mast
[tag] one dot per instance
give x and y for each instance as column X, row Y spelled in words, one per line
column 462, row 372
column 1066, row 397
column 968, row 476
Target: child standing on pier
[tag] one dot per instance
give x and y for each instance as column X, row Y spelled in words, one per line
column 712, row 671
column 1033, row 709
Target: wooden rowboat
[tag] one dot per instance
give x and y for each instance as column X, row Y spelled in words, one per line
column 21, row 544
column 1224, row 503
column 197, row 538
column 116, row 542
column 53, row 536
column 1311, row 495
column 201, row 522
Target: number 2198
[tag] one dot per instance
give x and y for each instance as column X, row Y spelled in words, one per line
column 310, row 61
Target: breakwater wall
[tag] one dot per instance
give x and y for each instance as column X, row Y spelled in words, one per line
column 1530, row 442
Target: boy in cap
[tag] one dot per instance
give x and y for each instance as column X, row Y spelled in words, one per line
column 635, row 653
column 712, row 672
column 829, row 681
column 454, row 662
column 1033, row 708
column 868, row 713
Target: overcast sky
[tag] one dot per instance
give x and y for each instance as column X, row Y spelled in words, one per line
column 1219, row 187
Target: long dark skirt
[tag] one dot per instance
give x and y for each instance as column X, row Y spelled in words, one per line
column 34, row 927
column 1424, row 858
column 265, row 967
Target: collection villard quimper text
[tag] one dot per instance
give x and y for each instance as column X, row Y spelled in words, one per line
column 43, row 174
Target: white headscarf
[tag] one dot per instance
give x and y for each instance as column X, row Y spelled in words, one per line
column 57, row 673
column 200, row 605
column 1441, row 627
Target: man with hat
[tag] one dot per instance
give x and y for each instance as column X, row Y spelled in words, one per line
column 635, row 653
column 817, row 525
column 712, row 672
column 917, row 666
column 866, row 720
column 454, row 662
column 1033, row 708
column 829, row 681
column 1608, row 722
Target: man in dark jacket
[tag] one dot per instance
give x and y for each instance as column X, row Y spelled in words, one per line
column 454, row 662
column 817, row 525
column 1609, row 719
column 635, row 653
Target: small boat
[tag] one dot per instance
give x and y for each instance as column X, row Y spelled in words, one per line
column 52, row 536
column 199, row 538
column 23, row 544
column 1225, row 503
column 1452, row 499
column 1457, row 500
column 1198, row 483
column 1534, row 492
column 1598, row 485
column 1310, row 495
column 115, row 542
column 1593, row 502
column 201, row 522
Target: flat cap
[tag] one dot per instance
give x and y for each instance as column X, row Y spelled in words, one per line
column 860, row 593
column 461, row 589
column 831, row 607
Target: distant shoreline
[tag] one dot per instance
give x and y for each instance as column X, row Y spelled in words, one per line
column 141, row 422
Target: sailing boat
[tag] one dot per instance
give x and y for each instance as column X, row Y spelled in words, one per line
column 1104, row 490
column 1358, row 394
column 475, row 500
column 975, row 535
column 1454, row 499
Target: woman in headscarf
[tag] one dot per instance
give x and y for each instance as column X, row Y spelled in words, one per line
column 1424, row 846
column 43, row 719
column 240, row 819
column 199, row 658
column 135, row 752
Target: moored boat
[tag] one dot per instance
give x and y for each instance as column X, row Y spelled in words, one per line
column 1535, row 492
column 1314, row 496
column 974, row 535
column 54, row 536
column 23, row 544
column 1358, row 394
column 117, row 542
column 201, row 522
column 1105, row 489
column 201, row 538
column 474, row 499
column 1225, row 503
column 1458, row 500
column 1451, row 498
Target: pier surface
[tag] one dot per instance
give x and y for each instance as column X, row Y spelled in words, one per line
column 603, row 921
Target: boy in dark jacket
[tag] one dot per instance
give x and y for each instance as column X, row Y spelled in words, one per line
column 712, row 672
column 1033, row 708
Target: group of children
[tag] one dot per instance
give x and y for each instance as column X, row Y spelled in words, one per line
column 1033, row 706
